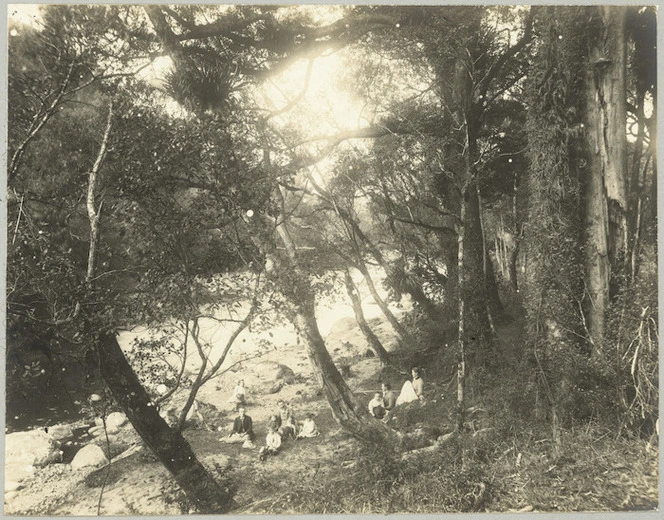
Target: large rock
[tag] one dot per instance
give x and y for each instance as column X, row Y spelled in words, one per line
column 89, row 456
column 32, row 448
column 60, row 432
column 115, row 420
column 283, row 373
column 342, row 327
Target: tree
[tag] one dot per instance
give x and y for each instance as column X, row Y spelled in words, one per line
column 82, row 289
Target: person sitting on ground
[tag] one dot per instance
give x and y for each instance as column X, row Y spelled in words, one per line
column 308, row 428
column 288, row 427
column 418, row 383
column 274, row 422
column 389, row 397
column 376, row 408
column 242, row 431
column 272, row 444
column 412, row 390
column 239, row 396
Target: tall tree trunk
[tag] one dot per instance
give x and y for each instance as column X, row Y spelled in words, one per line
column 461, row 344
column 170, row 447
column 348, row 412
column 474, row 288
column 372, row 339
column 493, row 303
column 605, row 198
column 405, row 336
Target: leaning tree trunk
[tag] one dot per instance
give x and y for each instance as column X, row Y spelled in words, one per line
column 372, row 339
column 404, row 335
column 170, row 447
column 605, row 197
column 348, row 412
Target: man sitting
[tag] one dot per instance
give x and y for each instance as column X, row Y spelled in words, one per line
column 376, row 408
column 242, row 430
column 272, row 444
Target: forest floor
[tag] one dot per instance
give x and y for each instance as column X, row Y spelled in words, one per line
column 499, row 464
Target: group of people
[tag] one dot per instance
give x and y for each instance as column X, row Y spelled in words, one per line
column 281, row 426
column 383, row 402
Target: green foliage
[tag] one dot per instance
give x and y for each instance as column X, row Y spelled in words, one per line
column 154, row 361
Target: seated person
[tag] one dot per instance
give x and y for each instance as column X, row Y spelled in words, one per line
column 288, row 426
column 242, row 430
column 389, row 397
column 412, row 390
column 239, row 395
column 308, row 428
column 376, row 408
column 272, row 444
column 274, row 422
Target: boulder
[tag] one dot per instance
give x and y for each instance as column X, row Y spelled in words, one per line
column 275, row 388
column 59, row 432
column 368, row 353
column 342, row 326
column 115, row 420
column 89, row 456
column 283, row 373
column 35, row 448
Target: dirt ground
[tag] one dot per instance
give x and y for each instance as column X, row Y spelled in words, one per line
column 139, row 485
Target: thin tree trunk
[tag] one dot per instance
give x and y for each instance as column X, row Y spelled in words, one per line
column 94, row 212
column 636, row 243
column 170, row 447
column 405, row 336
column 348, row 412
column 372, row 339
column 474, row 289
column 414, row 289
column 37, row 124
column 461, row 344
column 202, row 377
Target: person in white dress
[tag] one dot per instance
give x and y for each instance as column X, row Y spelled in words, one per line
column 412, row 390
column 308, row 428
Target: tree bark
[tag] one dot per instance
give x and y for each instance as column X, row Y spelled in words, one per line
column 347, row 411
column 168, row 445
column 461, row 343
column 404, row 335
column 372, row 339
column 474, row 288
column 173, row 451
column 604, row 194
